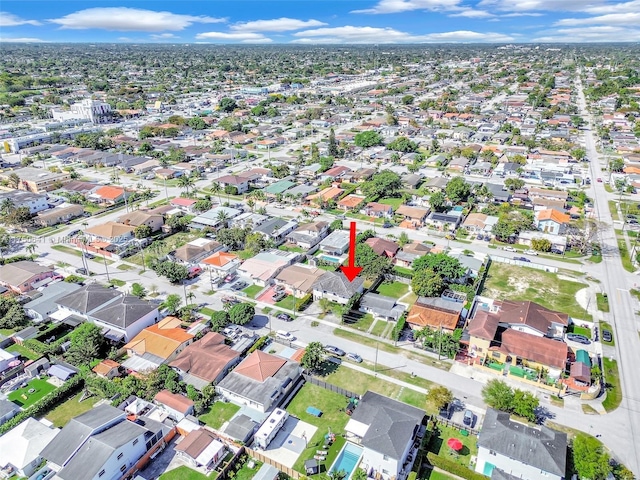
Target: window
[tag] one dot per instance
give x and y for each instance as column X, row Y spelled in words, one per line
column 120, row 455
column 491, row 452
column 135, row 441
column 101, row 473
column 385, row 457
column 123, row 468
column 495, row 354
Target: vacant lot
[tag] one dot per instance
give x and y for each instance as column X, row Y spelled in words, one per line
column 510, row 282
column 393, row 289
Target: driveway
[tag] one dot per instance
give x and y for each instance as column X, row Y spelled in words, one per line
column 160, row 464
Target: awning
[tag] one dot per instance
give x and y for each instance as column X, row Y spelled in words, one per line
column 583, row 356
column 73, row 321
column 114, row 335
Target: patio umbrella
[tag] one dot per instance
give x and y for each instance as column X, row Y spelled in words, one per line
column 454, row 444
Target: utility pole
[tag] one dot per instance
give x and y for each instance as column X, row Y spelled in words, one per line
column 106, row 268
column 375, row 365
column 440, row 340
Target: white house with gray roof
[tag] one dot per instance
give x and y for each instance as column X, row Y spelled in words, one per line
column 336, row 287
column 388, row 431
column 517, row 449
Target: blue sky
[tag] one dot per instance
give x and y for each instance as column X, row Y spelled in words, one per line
column 321, row 21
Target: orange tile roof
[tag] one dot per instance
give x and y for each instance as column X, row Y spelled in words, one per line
column 553, row 215
column 105, row 366
column 206, row 358
column 109, row 192
column 175, row 401
column 430, row 316
column 259, row 366
column 327, row 194
column 161, row 339
column 351, row 201
column 220, row 259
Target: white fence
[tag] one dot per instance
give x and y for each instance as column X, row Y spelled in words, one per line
column 511, row 261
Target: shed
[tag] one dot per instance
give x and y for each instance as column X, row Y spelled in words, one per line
column 266, row 472
column 311, row 466
column 61, row 372
column 581, row 372
column 36, row 368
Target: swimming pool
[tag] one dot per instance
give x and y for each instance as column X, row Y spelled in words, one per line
column 328, row 258
column 347, row 459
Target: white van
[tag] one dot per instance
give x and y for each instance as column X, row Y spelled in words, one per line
column 284, row 335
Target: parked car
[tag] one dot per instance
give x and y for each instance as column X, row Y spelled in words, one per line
column 284, row 317
column 284, row 335
column 278, row 288
column 531, row 252
column 354, row 357
column 239, row 285
column 606, row 336
column 574, row 337
column 556, row 251
column 82, row 271
column 72, row 233
column 88, row 255
column 334, row 350
column 231, row 331
column 276, row 297
column 599, row 180
column 522, row 259
column 509, row 249
column 387, row 225
column 468, row 417
column 230, row 278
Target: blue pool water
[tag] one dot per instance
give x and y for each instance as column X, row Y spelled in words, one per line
column 327, row 258
column 488, row 469
column 347, row 459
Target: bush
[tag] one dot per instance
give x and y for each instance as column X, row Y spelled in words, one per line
column 15, row 258
column 259, row 344
column 395, row 333
column 453, row 467
column 303, row 303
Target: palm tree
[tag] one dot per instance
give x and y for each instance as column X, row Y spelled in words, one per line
column 7, row 206
column 215, row 188
column 251, row 203
column 223, row 217
column 191, row 296
column 185, row 182
column 14, row 180
column 31, row 248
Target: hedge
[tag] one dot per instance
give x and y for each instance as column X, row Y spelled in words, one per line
column 303, row 303
column 453, row 467
column 15, row 258
column 259, row 344
column 46, row 403
column 395, row 333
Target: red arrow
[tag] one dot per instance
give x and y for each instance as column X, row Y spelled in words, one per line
column 351, row 271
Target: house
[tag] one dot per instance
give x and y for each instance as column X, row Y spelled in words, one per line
column 222, row 263
column 479, row 223
column 34, row 202
column 8, row 410
column 552, row 221
column 336, row 243
column 388, row 432
column 21, row 447
column 445, row 221
column 298, row 279
column 241, row 428
column 334, row 173
column 513, row 448
column 335, row 287
column 383, row 247
column 261, row 381
column 111, row 232
column 381, row 306
column 240, row 183
column 323, row 196
column 276, row 229
column 137, row 218
column 214, row 218
column 308, row 235
column 535, row 193
column 206, row 361
column 377, row 210
column 156, row 344
column 351, row 202
column 102, row 445
column 58, row 215
column 195, row 251
column 24, row 275
column 436, row 313
column 558, row 242
column 44, row 304
column 37, row 180
column 176, row 405
column 184, row 204
column 125, row 318
column 414, row 217
column 410, row 253
column 108, row 195
column 201, row 448
column 107, row 368
column 263, row 267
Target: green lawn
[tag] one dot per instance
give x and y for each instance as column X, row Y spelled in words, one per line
column 393, row 289
column 379, row 328
column 42, row 387
column 363, row 324
column 7, row 331
column 185, row 473
column 624, row 256
column 286, row 303
column 612, row 379
column 252, row 290
column 512, row 282
column 219, row 413
column 613, row 209
column 573, row 328
column 333, row 417
column 394, row 202
column 65, row 249
column 291, row 249
column 117, row 282
column 438, row 445
column 246, row 473
column 207, row 312
column 433, row 475
column 64, row 412
column 124, row 266
column 25, row 352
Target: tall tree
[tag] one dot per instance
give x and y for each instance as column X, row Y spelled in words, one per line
column 333, row 145
column 313, row 356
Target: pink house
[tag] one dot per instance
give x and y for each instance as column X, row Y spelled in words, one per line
column 24, row 276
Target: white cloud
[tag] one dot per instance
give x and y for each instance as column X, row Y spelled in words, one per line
column 246, row 37
column 351, row 34
column 523, row 14
column 533, row 5
column 622, row 7
column 21, row 40
column 10, row 20
column 471, row 13
column 631, row 19
column 589, row 34
column 126, row 19
column 395, row 6
column 163, row 36
column 276, row 25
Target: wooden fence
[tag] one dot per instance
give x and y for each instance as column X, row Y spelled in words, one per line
column 270, row 461
column 329, row 386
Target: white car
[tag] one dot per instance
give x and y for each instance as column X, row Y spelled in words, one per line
column 531, row 252
column 509, row 249
column 284, row 335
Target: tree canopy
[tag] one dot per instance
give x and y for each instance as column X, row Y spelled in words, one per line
column 373, row 264
column 385, row 183
column 368, row 139
column 313, row 356
column 242, row 313
column 457, row 190
column 402, row 144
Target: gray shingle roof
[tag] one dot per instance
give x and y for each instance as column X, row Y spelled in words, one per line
column 124, row 312
column 240, row 427
column 381, row 305
column 391, row 423
column 542, row 447
column 337, row 284
column 88, row 298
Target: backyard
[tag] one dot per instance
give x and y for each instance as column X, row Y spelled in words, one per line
column 23, row 351
column 393, row 289
column 185, row 473
column 160, row 248
column 25, row 399
column 510, row 282
column 438, row 445
column 73, row 407
column 333, row 419
column 219, row 413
